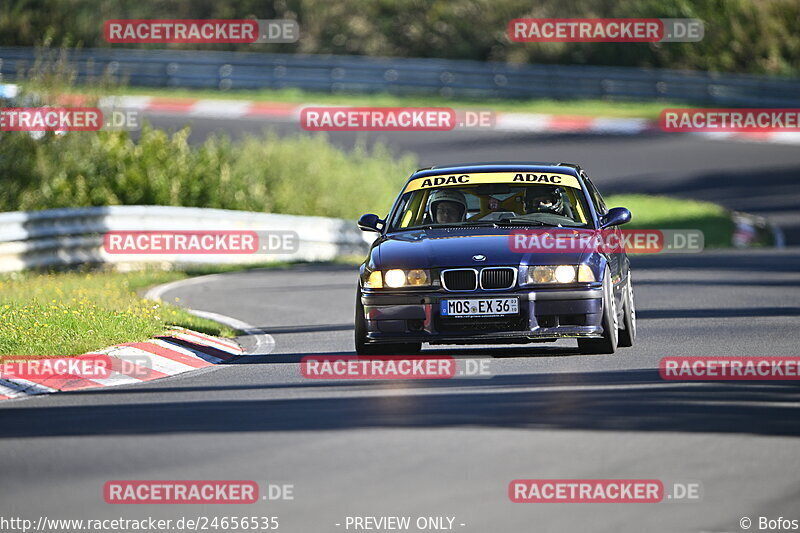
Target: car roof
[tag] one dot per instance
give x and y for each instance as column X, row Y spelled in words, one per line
column 498, row 166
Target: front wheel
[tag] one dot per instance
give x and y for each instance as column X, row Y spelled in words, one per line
column 608, row 343
column 365, row 348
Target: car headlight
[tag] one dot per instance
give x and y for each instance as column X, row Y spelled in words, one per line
column 565, row 274
column 559, row 274
column 418, row 277
column 374, row 281
column 585, row 274
column 396, row 278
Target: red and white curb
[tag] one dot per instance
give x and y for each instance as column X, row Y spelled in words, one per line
column 205, row 108
column 530, row 122
column 179, row 350
column 507, row 122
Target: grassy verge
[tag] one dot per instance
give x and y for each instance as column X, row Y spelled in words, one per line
column 593, row 108
column 70, row 313
column 663, row 212
column 77, row 312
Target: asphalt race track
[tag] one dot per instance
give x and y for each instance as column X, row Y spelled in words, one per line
column 451, row 447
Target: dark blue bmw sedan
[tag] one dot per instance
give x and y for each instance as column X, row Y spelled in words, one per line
column 473, row 254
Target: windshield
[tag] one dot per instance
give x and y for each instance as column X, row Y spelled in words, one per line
column 491, row 205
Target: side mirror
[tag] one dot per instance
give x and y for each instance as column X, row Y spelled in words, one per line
column 616, row 216
column 370, row 222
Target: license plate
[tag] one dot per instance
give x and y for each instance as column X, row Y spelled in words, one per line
column 479, row 307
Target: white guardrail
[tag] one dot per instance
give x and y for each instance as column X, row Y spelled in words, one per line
column 72, row 236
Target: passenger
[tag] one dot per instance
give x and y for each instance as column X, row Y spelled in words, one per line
column 544, row 199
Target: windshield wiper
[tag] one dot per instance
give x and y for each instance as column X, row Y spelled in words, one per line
column 478, row 224
column 523, row 222
column 445, row 226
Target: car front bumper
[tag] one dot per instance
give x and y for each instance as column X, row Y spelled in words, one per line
column 544, row 315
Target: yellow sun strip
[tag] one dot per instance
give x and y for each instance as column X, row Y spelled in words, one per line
column 513, row 178
column 582, row 215
column 406, row 219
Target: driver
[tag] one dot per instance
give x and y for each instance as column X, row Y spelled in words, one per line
column 447, row 206
column 544, row 199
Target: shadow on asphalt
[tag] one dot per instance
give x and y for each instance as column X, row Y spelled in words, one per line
column 718, row 312
column 750, row 261
column 720, row 283
column 630, row 400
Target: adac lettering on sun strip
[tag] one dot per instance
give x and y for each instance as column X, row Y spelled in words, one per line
column 518, row 178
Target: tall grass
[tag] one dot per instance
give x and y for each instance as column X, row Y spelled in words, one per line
column 296, row 175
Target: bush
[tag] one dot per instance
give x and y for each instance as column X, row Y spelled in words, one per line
column 296, row 175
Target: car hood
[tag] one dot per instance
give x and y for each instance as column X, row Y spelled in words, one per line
column 455, row 247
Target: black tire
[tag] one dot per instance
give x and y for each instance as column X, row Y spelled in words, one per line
column 628, row 335
column 365, row 348
column 608, row 343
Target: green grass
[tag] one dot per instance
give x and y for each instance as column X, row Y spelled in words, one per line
column 664, row 212
column 70, row 313
column 77, row 312
column 592, row 108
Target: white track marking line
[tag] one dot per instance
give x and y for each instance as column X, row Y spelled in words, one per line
column 265, row 342
column 156, row 292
